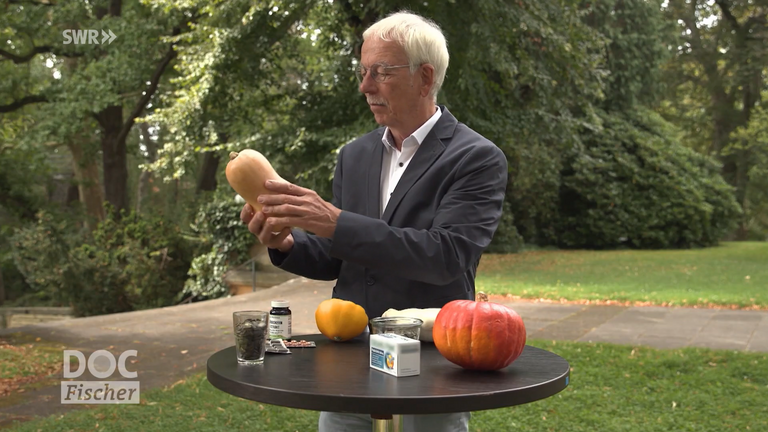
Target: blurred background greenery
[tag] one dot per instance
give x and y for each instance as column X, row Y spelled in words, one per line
column 627, row 124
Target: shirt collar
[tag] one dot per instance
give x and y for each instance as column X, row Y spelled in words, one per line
column 420, row 134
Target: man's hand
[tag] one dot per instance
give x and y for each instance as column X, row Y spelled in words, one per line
column 299, row 207
column 282, row 241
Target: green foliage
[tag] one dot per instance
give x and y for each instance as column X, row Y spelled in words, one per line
column 42, row 254
column 637, row 33
column 22, row 193
column 232, row 79
column 528, row 90
column 715, row 81
column 226, row 241
column 506, row 239
column 533, row 193
column 621, row 48
column 295, row 98
column 278, row 77
column 129, row 263
column 23, row 175
column 17, row 291
column 629, row 184
column 78, row 80
column 751, row 142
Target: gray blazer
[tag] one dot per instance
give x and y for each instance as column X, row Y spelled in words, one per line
column 424, row 250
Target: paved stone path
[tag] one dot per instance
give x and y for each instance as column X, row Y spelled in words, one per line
column 176, row 341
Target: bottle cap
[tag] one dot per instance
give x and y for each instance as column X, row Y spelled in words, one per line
column 280, row 303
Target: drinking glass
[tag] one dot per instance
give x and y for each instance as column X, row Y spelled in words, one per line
column 250, row 336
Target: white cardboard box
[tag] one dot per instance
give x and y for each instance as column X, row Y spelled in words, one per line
column 396, row 355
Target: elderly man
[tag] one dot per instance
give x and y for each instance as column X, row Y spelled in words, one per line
column 415, row 203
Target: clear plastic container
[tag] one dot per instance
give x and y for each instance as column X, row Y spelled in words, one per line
column 404, row 326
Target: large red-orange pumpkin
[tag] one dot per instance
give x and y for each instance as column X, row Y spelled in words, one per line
column 479, row 335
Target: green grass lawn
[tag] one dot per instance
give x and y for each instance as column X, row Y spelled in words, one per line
column 730, row 274
column 25, row 361
column 613, row 388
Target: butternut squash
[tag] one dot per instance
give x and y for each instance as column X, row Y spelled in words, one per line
column 247, row 171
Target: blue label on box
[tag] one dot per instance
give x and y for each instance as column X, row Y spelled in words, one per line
column 377, row 358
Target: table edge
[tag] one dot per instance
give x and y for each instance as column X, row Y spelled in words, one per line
column 388, row 405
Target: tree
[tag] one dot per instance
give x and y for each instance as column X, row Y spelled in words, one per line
column 631, row 183
column 719, row 68
column 636, row 35
column 86, row 96
column 752, row 139
column 230, row 71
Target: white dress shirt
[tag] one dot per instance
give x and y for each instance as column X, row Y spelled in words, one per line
column 394, row 162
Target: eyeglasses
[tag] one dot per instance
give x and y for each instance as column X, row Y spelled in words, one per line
column 377, row 70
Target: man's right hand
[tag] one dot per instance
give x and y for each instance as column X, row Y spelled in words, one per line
column 282, row 241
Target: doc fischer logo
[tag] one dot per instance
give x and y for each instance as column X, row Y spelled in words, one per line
column 101, row 364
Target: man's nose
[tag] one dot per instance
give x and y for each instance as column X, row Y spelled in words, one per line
column 367, row 85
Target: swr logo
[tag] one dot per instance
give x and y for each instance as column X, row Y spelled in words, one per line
column 87, row 37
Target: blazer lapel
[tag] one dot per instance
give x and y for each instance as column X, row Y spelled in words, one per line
column 425, row 156
column 374, row 178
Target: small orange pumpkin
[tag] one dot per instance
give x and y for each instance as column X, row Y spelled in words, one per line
column 340, row 320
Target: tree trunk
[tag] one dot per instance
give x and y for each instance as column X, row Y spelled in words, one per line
column 742, row 180
column 356, row 22
column 2, row 288
column 743, row 155
column 113, row 149
column 114, row 158
column 145, row 179
column 85, row 166
column 170, row 205
column 746, row 48
column 73, row 194
column 207, row 179
column 88, row 184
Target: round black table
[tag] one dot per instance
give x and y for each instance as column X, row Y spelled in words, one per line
column 336, row 376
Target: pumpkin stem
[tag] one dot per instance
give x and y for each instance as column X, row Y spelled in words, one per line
column 232, row 155
column 481, row 296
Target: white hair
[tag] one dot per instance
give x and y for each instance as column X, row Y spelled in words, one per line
column 422, row 40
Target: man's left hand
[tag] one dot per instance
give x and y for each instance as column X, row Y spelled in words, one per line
column 299, row 207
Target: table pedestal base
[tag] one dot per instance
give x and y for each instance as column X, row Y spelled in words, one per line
column 387, row 423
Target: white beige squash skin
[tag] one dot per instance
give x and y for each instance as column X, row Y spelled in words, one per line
column 247, row 171
column 427, row 315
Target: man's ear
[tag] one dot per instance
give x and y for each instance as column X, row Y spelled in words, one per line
column 427, row 76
